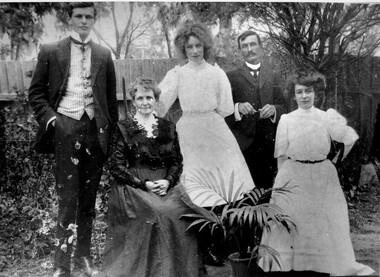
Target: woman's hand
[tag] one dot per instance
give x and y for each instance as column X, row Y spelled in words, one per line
column 163, row 186
column 152, row 187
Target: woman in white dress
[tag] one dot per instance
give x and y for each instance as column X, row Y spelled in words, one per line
column 214, row 169
column 317, row 204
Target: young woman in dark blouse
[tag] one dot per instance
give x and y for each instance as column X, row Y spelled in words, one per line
column 145, row 236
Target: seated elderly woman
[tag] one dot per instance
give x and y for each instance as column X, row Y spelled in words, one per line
column 145, row 236
column 317, row 204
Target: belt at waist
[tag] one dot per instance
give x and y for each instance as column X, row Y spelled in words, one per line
column 151, row 166
column 195, row 113
column 310, row 162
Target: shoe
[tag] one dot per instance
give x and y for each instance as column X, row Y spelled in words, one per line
column 61, row 272
column 210, row 258
column 83, row 268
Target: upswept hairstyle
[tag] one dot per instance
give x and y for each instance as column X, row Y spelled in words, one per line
column 247, row 33
column 195, row 29
column 145, row 84
column 305, row 77
column 74, row 5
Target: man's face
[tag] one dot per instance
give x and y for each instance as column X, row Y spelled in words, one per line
column 82, row 21
column 250, row 49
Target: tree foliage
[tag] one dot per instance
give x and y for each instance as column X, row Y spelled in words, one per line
column 127, row 28
column 169, row 15
column 320, row 35
column 23, row 24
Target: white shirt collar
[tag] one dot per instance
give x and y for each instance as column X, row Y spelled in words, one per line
column 76, row 36
column 253, row 66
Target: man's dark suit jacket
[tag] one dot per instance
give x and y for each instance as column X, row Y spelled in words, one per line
column 49, row 84
column 256, row 136
column 270, row 92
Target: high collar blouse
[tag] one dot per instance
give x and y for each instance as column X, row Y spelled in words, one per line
column 307, row 134
column 200, row 87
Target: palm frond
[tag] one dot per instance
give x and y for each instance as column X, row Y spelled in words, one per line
column 241, row 217
column 197, row 222
column 230, row 186
column 285, row 221
column 211, row 180
column 268, row 253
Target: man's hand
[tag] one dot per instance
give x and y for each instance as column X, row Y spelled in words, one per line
column 246, row 108
column 267, row 111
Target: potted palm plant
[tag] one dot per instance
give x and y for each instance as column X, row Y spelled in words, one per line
column 241, row 222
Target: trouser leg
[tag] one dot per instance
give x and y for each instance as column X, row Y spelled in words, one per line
column 79, row 166
column 67, row 184
column 262, row 165
column 91, row 174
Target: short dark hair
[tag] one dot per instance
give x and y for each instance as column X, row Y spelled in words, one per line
column 247, row 33
column 198, row 30
column 74, row 5
column 146, row 84
column 305, row 77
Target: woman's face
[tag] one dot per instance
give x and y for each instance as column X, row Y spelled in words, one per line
column 304, row 96
column 194, row 49
column 144, row 101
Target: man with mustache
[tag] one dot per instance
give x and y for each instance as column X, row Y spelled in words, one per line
column 73, row 96
column 259, row 104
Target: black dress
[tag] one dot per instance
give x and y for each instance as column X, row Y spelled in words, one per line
column 145, row 236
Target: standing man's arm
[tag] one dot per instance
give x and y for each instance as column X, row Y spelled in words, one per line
column 39, row 90
column 111, row 90
column 241, row 108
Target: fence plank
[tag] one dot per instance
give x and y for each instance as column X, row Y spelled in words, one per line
column 27, row 69
column 4, row 88
column 15, row 77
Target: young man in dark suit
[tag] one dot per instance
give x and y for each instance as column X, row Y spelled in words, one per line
column 73, row 95
column 259, row 104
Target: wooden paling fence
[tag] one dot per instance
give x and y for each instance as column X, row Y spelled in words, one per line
column 356, row 94
column 16, row 76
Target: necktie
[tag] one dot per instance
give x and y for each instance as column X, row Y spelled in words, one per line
column 255, row 72
column 82, row 44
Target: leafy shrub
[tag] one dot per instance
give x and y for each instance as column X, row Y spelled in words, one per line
column 28, row 206
column 27, row 203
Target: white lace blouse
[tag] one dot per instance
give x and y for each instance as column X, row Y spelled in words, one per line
column 200, row 88
column 306, row 134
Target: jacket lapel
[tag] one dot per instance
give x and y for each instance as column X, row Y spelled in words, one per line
column 263, row 73
column 64, row 56
column 96, row 61
column 244, row 71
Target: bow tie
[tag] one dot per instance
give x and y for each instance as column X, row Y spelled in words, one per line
column 82, row 44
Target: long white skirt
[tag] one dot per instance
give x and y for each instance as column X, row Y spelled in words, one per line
column 317, row 204
column 214, row 169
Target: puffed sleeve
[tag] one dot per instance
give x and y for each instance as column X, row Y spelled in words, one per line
column 169, row 91
column 118, row 163
column 282, row 142
column 340, row 131
column 225, row 102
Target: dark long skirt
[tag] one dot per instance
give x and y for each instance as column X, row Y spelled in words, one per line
column 145, row 236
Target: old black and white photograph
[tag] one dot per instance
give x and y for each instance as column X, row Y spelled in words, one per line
column 189, row 139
